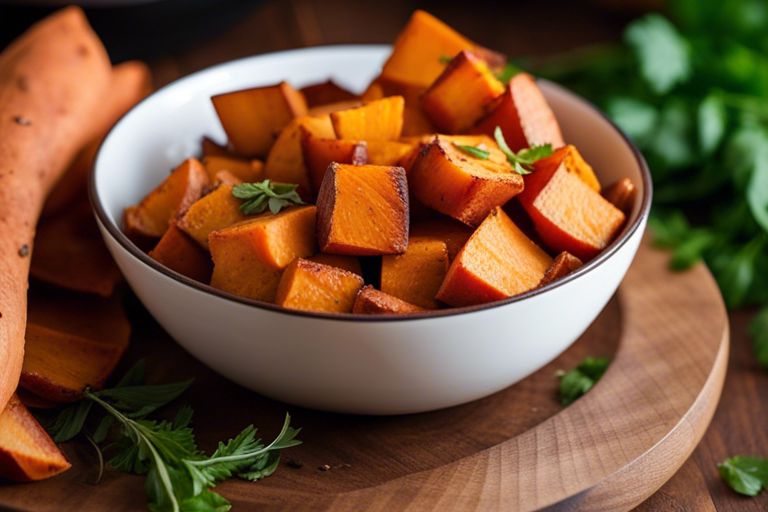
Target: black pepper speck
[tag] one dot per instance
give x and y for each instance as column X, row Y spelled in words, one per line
column 24, row 251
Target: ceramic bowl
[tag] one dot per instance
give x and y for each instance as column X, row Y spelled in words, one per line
column 351, row 363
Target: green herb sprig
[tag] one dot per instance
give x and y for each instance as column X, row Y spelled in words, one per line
column 475, row 151
column 523, row 160
column 575, row 383
column 745, row 475
column 257, row 197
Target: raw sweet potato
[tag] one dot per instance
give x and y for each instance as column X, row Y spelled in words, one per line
column 250, row 256
column 177, row 251
column 212, row 212
column 568, row 214
column 319, row 152
column 171, row 199
column 498, row 261
column 52, row 79
column 362, row 210
column 460, row 185
column 349, row 263
column 311, row 286
column 27, row 452
column 416, row 275
column 253, row 118
column 621, row 195
column 324, row 110
column 524, row 116
column 370, row 301
column 387, row 152
column 378, row 120
column 209, row 147
column 570, row 158
column 249, row 171
column 460, row 95
column 324, row 93
column 562, row 265
column 454, row 234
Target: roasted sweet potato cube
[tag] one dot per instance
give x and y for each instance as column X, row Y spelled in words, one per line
column 320, row 152
column 570, row 158
column 324, row 93
column 387, row 152
column 460, row 185
column 523, row 114
column 370, row 301
column 454, row 234
column 312, row 286
column 27, row 452
column 250, row 256
column 362, row 210
column 378, row 120
column 185, row 185
column 324, row 110
column 562, row 265
column 621, row 195
column 249, row 171
column 177, row 251
column 460, row 95
column 224, row 178
column 479, row 141
column 348, row 263
column 416, row 122
column 253, row 118
column 416, row 275
column 214, row 211
column 569, row 215
column 209, row 147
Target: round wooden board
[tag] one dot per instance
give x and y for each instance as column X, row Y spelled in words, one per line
column 516, row 450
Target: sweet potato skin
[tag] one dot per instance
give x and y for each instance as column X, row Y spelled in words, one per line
column 378, row 120
column 621, row 195
column 212, row 212
column 177, row 251
column 416, row 275
column 562, row 265
column 370, row 301
column 311, row 286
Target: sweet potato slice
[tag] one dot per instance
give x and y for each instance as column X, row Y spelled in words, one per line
column 151, row 217
column 27, row 452
column 378, row 120
column 319, row 152
column 498, row 261
column 177, row 251
column 387, row 152
column 312, row 286
column 454, row 234
column 249, row 171
column 416, row 275
column 362, row 210
column 348, row 263
column 460, row 185
column 459, row 96
column 326, row 92
column 214, row 211
column 621, row 195
column 523, row 114
column 370, row 301
column 570, row 158
column 562, row 265
column 250, row 256
column 569, row 215
column 253, row 118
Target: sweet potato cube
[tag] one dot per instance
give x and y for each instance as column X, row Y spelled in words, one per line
column 224, row 178
column 348, row 263
column 562, row 265
column 27, row 452
column 362, row 210
column 320, row 152
column 459, row 96
column 151, row 217
column 523, row 114
column 621, row 195
column 479, row 141
column 249, row 171
column 416, row 275
column 324, row 110
column 387, row 152
column 253, row 118
column 177, row 251
column 460, row 185
column 416, row 122
column 312, row 286
column 209, row 147
column 498, row 261
column 378, row 120
column 569, row 215
column 324, row 93
column 214, row 211
column 370, row 301
column 250, row 256
column 570, row 158
column 453, row 234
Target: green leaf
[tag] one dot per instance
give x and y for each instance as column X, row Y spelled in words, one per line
column 139, row 401
column 70, row 421
column 507, row 72
column 474, row 151
column 637, row 118
column 758, row 330
column 663, row 54
column 206, row 501
column 745, row 475
column 738, row 273
column 575, row 383
column 522, row 161
column 257, row 197
column 757, row 191
column 712, row 121
column 691, row 249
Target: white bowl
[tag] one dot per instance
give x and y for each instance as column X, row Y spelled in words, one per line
column 351, row 363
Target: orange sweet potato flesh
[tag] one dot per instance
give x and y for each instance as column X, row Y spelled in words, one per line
column 416, row 275
column 524, row 116
column 209, row 147
column 362, row 210
column 621, row 195
column 387, row 152
column 370, row 301
column 323, row 110
column 569, row 215
column 325, row 92
column 562, row 265
column 454, row 234
column 311, row 286
column 250, row 256
column 177, row 251
column 253, row 118
column 250, row 171
column 459, row 185
column 479, row 141
column 378, row 120
column 460, row 95
column 319, row 153
column 171, row 199
column 348, row 263
column 27, row 452
column 497, row 262
column 212, row 212
column 570, row 158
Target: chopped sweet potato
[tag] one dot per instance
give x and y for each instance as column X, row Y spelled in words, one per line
column 171, row 199
column 498, row 261
column 416, row 275
column 362, row 210
column 348, row 263
column 253, row 118
column 312, row 286
column 370, row 301
column 249, row 171
column 324, row 110
column 416, row 122
column 378, row 120
column 523, row 114
column 621, row 195
column 460, row 95
column 209, row 147
column 250, row 256
column 454, row 234
column 483, row 142
column 325, row 92
column 319, row 152
column 562, row 265
column 570, row 158
column 214, row 211
column 569, row 215
column 462, row 186
column 177, row 251
column 410, row 92
column 374, row 91
column 387, row 152
column 27, row 452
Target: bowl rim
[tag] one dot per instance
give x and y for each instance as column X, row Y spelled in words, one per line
column 122, row 239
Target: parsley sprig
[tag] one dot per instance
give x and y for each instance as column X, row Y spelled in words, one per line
column 257, row 197
column 523, row 160
column 575, row 383
column 745, row 475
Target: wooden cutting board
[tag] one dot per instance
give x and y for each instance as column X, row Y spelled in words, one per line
column 516, row 450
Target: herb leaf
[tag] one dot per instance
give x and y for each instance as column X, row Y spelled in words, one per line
column 663, row 53
column 577, row 382
column 474, row 151
column 523, row 160
column 759, row 331
column 257, row 197
column 745, row 475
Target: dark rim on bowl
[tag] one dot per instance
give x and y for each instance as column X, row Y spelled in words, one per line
column 117, row 233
